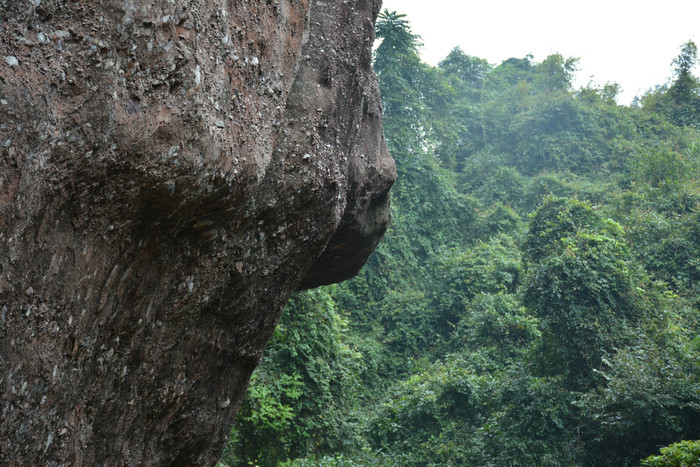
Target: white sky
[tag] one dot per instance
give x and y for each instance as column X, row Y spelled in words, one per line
column 625, row 41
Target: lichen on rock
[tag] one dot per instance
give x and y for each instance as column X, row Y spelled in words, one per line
column 170, row 172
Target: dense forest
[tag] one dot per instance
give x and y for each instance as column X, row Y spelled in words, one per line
column 536, row 301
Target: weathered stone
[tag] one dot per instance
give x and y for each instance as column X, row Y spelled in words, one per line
column 156, row 199
column 11, row 60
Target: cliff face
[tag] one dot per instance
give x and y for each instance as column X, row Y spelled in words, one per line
column 170, row 172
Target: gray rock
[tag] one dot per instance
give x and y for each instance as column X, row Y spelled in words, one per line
column 62, row 34
column 108, row 229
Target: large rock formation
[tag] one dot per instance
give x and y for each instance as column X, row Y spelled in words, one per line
column 170, row 172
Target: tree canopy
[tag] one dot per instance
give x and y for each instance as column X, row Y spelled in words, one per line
column 536, row 300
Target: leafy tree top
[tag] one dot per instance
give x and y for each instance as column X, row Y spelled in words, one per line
column 471, row 70
column 395, row 32
column 687, row 59
column 561, row 218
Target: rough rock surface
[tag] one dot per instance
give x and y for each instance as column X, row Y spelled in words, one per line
column 170, row 172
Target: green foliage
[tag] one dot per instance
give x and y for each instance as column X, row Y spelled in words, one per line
column 427, row 419
column 459, row 127
column 650, row 397
column 532, row 424
column 680, row 101
column 661, row 168
column 558, row 134
column 267, row 409
column 683, row 454
column 667, row 246
column 494, row 183
column 536, row 300
column 469, row 71
column 501, row 219
column 300, row 396
column 488, row 267
column 404, row 80
column 555, row 73
column 396, row 35
column 409, row 323
column 448, row 415
column 532, row 118
column 498, row 322
column 580, row 284
column 687, row 59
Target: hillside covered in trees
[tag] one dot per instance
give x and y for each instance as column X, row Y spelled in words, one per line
column 536, row 300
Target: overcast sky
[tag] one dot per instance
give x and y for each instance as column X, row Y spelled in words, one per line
column 628, row 42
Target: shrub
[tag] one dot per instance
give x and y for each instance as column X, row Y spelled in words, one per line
column 683, row 454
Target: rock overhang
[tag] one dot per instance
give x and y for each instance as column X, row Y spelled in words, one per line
column 170, row 172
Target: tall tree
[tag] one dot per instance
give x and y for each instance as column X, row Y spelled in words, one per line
column 460, row 130
column 680, row 101
column 683, row 93
column 400, row 71
column 579, row 282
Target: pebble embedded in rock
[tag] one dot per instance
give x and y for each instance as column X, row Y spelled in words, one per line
column 11, row 60
column 197, row 75
column 61, row 34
